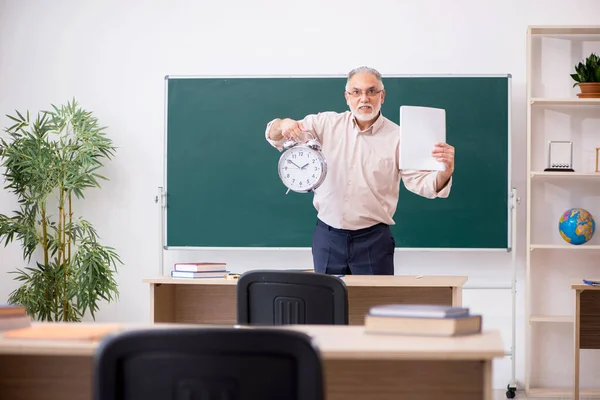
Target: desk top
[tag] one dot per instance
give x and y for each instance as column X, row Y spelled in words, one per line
column 351, row 342
column 350, row 280
column 335, row 342
column 583, row 286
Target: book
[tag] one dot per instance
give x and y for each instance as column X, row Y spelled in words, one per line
column 591, row 282
column 418, row 310
column 14, row 322
column 199, row 267
column 190, row 274
column 423, row 326
column 8, row 310
column 57, row 331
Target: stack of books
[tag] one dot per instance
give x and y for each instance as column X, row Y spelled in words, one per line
column 422, row 320
column 199, row 270
column 13, row 317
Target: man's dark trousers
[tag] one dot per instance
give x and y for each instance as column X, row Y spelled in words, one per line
column 368, row 251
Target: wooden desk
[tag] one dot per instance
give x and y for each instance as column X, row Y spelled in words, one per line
column 213, row 301
column 356, row 365
column 587, row 324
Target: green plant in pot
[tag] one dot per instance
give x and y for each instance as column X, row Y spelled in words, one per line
column 48, row 164
column 587, row 77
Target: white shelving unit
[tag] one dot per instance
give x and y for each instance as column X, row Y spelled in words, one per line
column 554, row 112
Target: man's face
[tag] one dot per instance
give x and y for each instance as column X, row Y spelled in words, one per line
column 364, row 96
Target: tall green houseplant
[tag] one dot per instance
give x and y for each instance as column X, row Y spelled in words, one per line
column 47, row 162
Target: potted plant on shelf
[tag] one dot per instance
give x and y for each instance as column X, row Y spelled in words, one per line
column 587, row 77
column 47, row 163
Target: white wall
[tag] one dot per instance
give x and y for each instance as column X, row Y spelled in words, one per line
column 113, row 56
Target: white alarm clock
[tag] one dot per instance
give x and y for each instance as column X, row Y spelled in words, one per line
column 302, row 167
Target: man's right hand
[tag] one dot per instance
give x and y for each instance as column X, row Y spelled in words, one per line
column 289, row 129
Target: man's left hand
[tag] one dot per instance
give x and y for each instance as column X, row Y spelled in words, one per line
column 444, row 153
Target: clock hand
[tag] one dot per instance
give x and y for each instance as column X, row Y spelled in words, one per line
column 291, row 162
column 304, row 166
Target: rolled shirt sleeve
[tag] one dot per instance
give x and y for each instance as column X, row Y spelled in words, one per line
column 424, row 183
column 278, row 144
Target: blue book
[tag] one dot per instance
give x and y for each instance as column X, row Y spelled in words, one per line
column 191, row 274
column 418, row 311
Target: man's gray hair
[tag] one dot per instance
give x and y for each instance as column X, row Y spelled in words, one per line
column 362, row 69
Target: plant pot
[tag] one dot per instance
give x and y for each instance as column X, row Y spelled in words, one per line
column 589, row 90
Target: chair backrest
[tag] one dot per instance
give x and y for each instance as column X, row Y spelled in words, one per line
column 270, row 297
column 208, row 363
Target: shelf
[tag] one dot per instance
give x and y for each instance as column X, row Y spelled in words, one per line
column 548, row 175
column 566, row 319
column 572, row 33
column 576, row 101
column 565, row 30
column 562, row 392
column 554, row 109
column 580, row 247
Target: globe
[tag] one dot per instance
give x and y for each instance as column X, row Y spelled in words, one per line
column 576, row 226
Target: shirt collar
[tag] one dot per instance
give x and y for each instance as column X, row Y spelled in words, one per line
column 373, row 129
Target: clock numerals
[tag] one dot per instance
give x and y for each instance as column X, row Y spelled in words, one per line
column 300, row 169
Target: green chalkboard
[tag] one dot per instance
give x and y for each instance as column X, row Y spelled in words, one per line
column 222, row 186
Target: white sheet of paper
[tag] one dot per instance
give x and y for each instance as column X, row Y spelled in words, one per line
column 420, row 129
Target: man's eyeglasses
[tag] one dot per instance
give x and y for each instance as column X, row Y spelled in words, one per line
column 372, row 92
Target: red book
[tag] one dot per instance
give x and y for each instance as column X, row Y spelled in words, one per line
column 200, row 267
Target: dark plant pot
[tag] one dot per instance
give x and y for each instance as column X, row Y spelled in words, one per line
column 589, row 90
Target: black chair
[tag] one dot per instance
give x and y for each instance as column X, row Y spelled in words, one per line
column 208, row 363
column 268, row 297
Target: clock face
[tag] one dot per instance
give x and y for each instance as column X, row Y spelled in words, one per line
column 301, row 169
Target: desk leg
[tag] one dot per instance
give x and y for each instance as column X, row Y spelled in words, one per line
column 487, row 380
column 576, row 335
column 457, row 296
column 162, row 303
